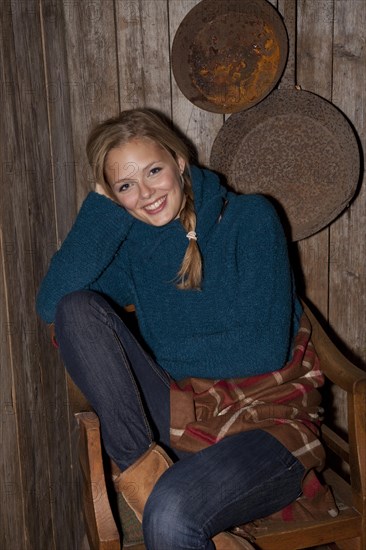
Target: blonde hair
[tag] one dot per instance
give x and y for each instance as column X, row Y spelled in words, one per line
column 144, row 123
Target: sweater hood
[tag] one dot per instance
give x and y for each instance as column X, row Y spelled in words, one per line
column 209, row 198
column 206, row 187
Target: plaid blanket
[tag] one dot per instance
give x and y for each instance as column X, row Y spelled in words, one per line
column 285, row 403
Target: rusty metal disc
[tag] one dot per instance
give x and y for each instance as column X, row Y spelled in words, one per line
column 229, row 55
column 296, row 148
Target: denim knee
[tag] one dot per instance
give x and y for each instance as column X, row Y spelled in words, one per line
column 75, row 314
column 73, row 303
column 168, row 521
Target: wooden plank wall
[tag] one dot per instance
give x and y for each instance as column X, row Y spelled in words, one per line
column 65, row 65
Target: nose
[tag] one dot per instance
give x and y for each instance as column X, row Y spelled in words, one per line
column 145, row 190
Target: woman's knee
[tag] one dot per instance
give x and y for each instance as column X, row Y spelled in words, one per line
column 75, row 314
column 71, row 304
column 169, row 520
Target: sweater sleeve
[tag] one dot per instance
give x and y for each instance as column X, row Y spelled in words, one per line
column 100, row 228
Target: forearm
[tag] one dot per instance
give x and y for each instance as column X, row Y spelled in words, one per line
column 99, row 230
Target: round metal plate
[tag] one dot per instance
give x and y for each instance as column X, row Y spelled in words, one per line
column 228, row 55
column 297, row 149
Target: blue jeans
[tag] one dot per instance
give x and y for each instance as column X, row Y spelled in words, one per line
column 243, row 477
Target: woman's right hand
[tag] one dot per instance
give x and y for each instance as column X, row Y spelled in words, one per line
column 99, row 189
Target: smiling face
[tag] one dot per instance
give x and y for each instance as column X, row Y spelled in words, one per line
column 146, row 181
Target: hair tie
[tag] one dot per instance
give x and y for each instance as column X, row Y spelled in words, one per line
column 191, row 235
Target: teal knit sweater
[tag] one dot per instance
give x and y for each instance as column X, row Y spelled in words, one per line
column 243, row 319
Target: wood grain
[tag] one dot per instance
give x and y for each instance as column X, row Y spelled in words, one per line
column 62, row 177
column 12, row 525
column 347, row 311
column 59, row 190
column 314, row 73
column 90, row 37
column 25, row 144
column 143, row 54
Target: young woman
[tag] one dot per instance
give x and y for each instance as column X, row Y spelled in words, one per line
column 213, row 420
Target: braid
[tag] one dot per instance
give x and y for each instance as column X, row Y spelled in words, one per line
column 190, row 273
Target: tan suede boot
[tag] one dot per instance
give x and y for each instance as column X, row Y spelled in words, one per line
column 136, row 483
column 228, row 541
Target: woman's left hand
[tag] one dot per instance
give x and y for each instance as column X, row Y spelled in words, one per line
column 51, row 328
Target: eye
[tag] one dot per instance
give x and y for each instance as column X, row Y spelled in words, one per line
column 155, row 170
column 124, row 187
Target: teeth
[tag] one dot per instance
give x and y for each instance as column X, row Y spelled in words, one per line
column 155, row 204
